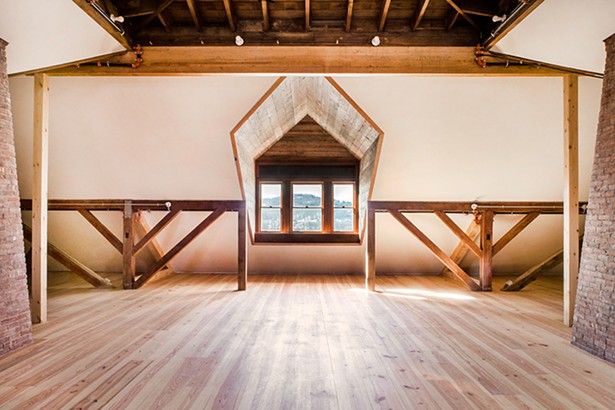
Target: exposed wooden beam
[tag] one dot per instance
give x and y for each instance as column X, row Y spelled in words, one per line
column 419, row 12
column 164, row 4
column 40, row 180
column 282, row 60
column 535, row 271
column 100, row 227
column 165, row 23
column 463, row 14
column 242, row 250
column 349, row 15
column 451, row 19
column 571, row 194
column 486, row 245
column 514, row 231
column 307, row 15
column 194, row 12
column 149, row 236
column 141, row 229
column 438, row 253
column 128, row 240
column 523, row 10
column 87, row 7
column 463, row 237
column 461, row 250
column 73, row 264
column 265, row 9
column 191, row 236
column 370, row 251
column 383, row 15
column 229, row 14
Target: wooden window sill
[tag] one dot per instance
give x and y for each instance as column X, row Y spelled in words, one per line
column 314, row 238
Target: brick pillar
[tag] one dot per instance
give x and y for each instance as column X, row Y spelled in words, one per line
column 15, row 325
column 594, row 319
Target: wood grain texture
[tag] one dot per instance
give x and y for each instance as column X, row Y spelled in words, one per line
column 301, row 342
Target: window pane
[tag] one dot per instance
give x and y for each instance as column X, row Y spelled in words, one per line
column 343, row 195
column 270, row 219
column 307, row 195
column 270, row 194
column 343, row 220
column 306, row 219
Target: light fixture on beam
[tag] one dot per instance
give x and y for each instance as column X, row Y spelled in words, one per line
column 375, row 41
column 239, row 40
column 110, row 19
column 498, row 19
column 116, row 19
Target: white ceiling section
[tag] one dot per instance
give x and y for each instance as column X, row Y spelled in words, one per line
column 44, row 33
column 569, row 33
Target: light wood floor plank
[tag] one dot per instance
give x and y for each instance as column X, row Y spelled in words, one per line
column 303, row 342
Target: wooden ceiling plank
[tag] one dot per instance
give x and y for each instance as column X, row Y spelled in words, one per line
column 383, row 16
column 194, row 12
column 419, row 13
column 463, row 14
column 307, row 15
column 229, row 14
column 349, row 15
column 162, row 6
column 265, row 9
column 510, row 23
column 281, row 60
column 87, row 7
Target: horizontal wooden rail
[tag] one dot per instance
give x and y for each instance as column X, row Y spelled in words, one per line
column 467, row 207
column 138, row 205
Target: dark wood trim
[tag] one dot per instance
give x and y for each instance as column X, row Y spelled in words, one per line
column 128, row 256
column 461, row 250
column 463, row 237
column 242, row 251
column 100, row 227
column 466, row 207
column 306, row 238
column 137, row 205
column 370, row 250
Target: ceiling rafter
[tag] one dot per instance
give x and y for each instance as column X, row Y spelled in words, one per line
column 265, row 8
column 229, row 14
column 307, row 15
column 383, row 16
column 165, row 23
column 419, row 13
column 463, row 14
column 194, row 12
column 162, row 6
column 349, row 15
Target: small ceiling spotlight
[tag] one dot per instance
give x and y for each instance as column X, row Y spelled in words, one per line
column 116, row 19
column 498, row 19
column 239, row 40
column 375, row 41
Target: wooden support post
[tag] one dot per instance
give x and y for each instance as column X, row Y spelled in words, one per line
column 486, row 244
column 370, row 251
column 39, row 198
column 242, row 254
column 571, row 194
column 128, row 266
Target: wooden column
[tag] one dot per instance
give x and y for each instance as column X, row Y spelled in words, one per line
column 39, row 198
column 242, row 254
column 370, row 251
column 571, row 194
column 128, row 266
column 486, row 244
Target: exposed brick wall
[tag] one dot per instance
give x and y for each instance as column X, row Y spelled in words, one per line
column 15, row 327
column 594, row 320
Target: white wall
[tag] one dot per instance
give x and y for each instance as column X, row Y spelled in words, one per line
column 445, row 139
column 44, row 33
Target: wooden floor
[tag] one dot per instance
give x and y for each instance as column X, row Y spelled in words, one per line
column 304, row 342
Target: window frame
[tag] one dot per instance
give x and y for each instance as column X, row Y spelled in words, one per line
column 327, row 233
